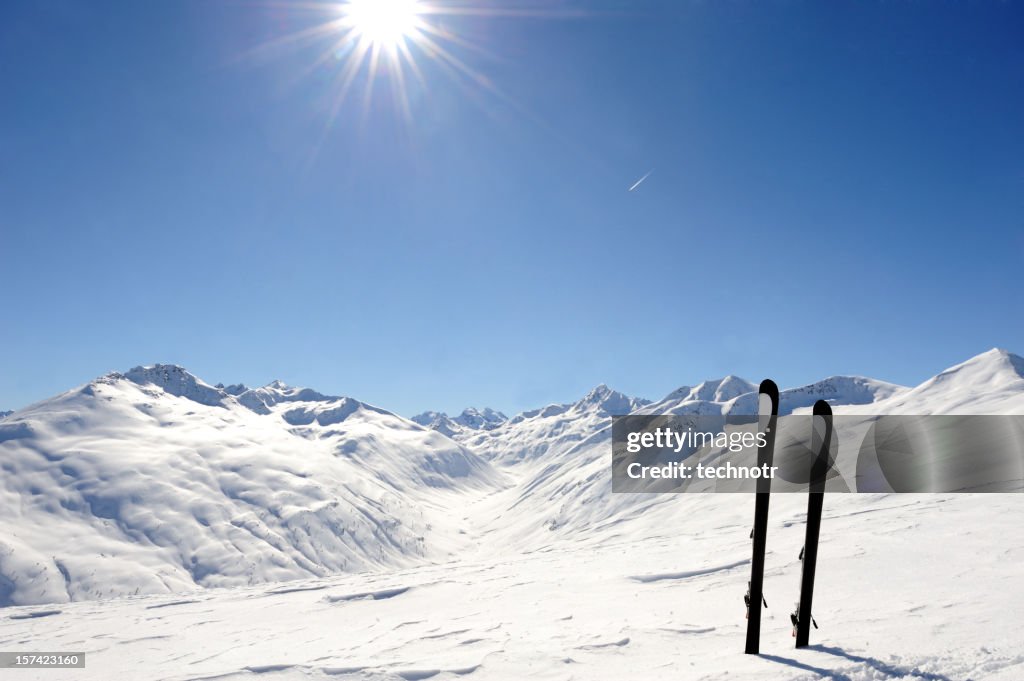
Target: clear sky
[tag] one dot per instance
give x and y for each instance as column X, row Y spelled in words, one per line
column 837, row 187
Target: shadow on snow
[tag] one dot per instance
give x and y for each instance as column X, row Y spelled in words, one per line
column 885, row 668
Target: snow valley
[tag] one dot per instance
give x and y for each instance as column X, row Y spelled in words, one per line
column 140, row 487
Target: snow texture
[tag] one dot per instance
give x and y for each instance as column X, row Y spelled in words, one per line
column 176, row 530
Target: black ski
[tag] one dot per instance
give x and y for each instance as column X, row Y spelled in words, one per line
column 755, row 594
column 822, row 438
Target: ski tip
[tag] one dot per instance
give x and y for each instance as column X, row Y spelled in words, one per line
column 769, row 388
column 822, row 408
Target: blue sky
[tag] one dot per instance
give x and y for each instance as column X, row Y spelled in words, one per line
column 838, row 188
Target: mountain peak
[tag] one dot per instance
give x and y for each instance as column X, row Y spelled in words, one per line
column 151, row 370
column 1001, row 357
column 293, row 393
column 480, row 419
column 261, row 399
column 715, row 390
column 423, row 418
column 471, row 418
column 598, row 394
column 437, row 420
column 175, row 380
column 992, row 368
column 608, row 401
column 722, row 389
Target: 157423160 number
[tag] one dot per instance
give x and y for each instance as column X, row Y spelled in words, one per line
column 37, row 660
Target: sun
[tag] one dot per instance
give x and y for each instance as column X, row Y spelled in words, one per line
column 397, row 43
column 383, row 23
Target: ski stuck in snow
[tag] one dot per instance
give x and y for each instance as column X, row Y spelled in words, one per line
column 768, row 413
column 821, row 441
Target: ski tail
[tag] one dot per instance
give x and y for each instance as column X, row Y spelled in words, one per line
column 768, row 412
column 822, row 440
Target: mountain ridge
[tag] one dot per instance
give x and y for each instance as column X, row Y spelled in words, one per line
column 153, row 481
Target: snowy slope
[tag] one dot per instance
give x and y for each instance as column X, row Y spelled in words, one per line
column 566, row 489
column 990, row 383
column 836, row 390
column 662, row 602
column 525, row 567
column 154, row 481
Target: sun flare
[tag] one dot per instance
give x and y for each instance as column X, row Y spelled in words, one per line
column 383, row 23
column 399, row 44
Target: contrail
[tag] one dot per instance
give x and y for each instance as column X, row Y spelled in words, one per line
column 638, row 182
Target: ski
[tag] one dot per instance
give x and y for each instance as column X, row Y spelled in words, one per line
column 821, row 440
column 768, row 413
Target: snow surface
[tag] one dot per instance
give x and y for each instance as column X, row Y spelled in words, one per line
column 173, row 512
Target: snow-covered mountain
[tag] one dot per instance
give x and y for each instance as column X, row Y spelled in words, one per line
column 154, row 481
column 550, row 430
column 990, row 383
column 470, row 419
column 836, row 390
column 576, row 499
column 721, row 390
